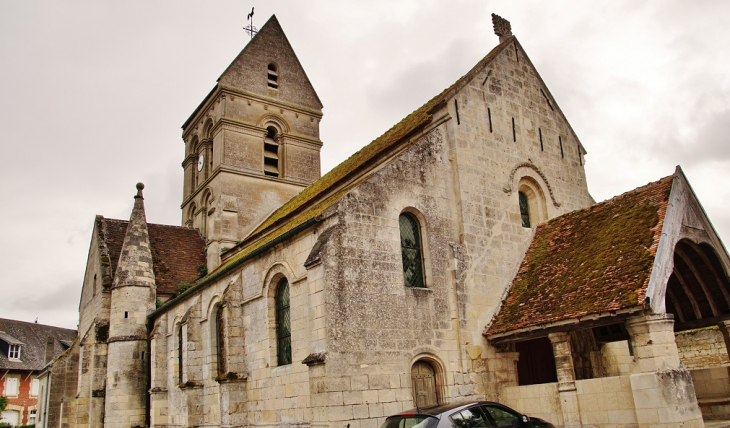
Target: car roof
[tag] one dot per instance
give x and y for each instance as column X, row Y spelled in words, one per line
column 442, row 408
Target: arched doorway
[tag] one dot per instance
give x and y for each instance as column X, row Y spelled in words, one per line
column 423, row 381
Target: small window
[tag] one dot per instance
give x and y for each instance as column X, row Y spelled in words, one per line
column 220, row 341
column 180, row 353
column 32, row 417
column 271, row 153
column 524, row 210
column 411, row 251
column 34, row 388
column 272, row 76
column 14, row 352
column 283, row 324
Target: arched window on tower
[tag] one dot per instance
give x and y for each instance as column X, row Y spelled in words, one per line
column 283, row 323
column 271, row 153
column 272, row 76
column 524, row 210
column 411, row 251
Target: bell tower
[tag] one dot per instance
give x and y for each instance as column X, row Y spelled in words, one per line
column 252, row 144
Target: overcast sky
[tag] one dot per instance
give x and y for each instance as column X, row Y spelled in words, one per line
column 93, row 95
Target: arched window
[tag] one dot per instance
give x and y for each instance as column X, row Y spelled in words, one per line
column 271, row 153
column 283, row 323
column 272, row 76
column 524, row 210
column 411, row 251
column 531, row 200
column 220, row 341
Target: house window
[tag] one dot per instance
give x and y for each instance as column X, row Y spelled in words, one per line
column 11, row 386
column 411, row 251
column 220, row 341
column 14, row 352
column 271, row 153
column 34, row 388
column 283, row 324
column 272, row 76
column 32, row 417
column 524, row 210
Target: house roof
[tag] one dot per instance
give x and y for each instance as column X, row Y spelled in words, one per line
column 592, row 261
column 32, row 339
column 176, row 252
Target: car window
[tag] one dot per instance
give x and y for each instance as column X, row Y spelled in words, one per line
column 503, row 417
column 410, row 422
column 469, row 418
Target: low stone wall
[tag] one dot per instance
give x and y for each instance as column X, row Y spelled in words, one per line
column 607, row 402
column 712, row 386
column 702, row 348
column 541, row 401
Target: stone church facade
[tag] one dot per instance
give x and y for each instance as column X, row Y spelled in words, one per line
column 417, row 272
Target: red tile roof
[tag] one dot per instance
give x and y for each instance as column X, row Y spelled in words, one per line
column 176, row 252
column 590, row 261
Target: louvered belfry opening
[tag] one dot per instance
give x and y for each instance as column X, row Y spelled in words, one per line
column 698, row 291
column 411, row 251
column 271, row 153
column 283, row 324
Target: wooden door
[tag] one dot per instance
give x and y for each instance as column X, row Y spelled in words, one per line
column 423, row 379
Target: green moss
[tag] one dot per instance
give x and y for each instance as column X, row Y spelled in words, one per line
column 588, row 261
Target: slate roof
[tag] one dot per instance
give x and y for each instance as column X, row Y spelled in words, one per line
column 176, row 252
column 591, row 261
column 33, row 338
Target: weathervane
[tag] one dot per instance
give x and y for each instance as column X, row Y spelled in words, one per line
column 250, row 29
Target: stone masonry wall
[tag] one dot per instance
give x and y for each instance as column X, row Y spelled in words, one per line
column 702, row 348
column 260, row 392
column 376, row 326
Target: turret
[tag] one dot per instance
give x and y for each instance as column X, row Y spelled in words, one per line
column 132, row 299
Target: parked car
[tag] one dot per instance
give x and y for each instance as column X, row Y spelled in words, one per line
column 472, row 414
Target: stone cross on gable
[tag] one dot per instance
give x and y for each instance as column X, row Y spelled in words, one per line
column 502, row 27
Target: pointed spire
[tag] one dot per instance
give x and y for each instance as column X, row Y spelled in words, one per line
column 135, row 262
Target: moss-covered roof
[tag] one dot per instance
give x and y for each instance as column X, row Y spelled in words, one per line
column 324, row 192
column 590, row 261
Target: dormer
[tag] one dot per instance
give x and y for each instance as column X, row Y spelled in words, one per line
column 10, row 346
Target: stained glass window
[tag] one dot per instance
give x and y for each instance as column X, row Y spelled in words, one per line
column 410, row 244
column 220, row 341
column 283, row 324
column 524, row 210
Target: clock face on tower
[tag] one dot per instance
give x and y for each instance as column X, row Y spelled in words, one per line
column 201, row 162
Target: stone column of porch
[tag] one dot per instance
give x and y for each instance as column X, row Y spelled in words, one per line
column 662, row 388
column 566, row 379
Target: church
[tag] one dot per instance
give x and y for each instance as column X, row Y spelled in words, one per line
column 459, row 256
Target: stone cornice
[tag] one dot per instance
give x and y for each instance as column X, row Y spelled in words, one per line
column 240, row 171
